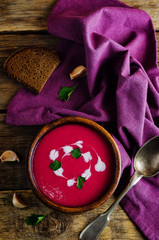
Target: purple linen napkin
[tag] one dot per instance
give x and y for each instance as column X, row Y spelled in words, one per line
column 117, row 45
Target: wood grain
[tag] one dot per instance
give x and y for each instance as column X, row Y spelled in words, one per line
column 23, row 23
column 18, row 139
column 11, row 43
column 22, row 15
column 56, row 225
column 19, row 15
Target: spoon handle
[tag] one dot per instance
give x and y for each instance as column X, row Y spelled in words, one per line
column 133, row 180
column 95, row 228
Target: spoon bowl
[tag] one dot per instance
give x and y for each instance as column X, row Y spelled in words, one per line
column 146, row 161
column 146, row 164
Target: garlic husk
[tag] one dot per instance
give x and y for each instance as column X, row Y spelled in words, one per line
column 78, row 72
column 17, row 202
column 9, row 156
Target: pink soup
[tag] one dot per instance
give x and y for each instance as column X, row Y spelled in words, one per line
column 85, row 165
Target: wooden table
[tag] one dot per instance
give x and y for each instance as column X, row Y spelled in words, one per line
column 23, row 23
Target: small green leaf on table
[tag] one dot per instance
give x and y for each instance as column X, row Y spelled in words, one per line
column 34, row 219
column 65, row 92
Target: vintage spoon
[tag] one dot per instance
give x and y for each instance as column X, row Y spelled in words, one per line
column 146, row 164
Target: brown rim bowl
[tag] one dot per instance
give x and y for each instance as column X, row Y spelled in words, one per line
column 105, row 134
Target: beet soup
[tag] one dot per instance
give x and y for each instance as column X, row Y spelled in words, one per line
column 73, row 165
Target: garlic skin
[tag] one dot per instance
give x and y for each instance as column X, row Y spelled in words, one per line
column 9, row 156
column 18, row 203
column 78, row 72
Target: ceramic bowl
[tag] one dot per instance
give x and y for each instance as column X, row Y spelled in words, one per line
column 104, row 134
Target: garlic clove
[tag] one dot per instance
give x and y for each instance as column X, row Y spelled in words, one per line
column 9, row 156
column 17, row 202
column 78, row 72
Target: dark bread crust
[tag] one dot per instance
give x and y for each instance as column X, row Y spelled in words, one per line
column 32, row 66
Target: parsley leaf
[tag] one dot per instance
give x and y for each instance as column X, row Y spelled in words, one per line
column 34, row 219
column 76, row 153
column 55, row 165
column 80, row 181
column 65, row 92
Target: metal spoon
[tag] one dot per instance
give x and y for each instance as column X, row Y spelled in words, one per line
column 146, row 164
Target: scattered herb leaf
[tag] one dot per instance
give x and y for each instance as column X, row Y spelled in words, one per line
column 80, row 181
column 55, row 165
column 76, row 153
column 34, row 219
column 65, row 92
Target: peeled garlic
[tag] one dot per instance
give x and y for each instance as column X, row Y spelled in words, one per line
column 9, row 156
column 18, row 202
column 78, row 72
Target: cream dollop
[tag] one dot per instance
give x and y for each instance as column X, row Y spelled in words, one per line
column 67, row 150
column 100, row 166
column 59, row 172
column 54, row 154
column 87, row 173
column 70, row 182
column 87, row 156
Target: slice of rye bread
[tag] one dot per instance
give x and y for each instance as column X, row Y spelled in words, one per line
column 32, row 66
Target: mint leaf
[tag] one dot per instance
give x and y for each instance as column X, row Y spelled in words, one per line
column 80, row 181
column 55, row 165
column 34, row 219
column 65, row 92
column 76, row 153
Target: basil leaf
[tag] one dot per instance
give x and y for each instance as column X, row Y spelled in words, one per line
column 34, row 219
column 65, row 92
column 76, row 153
column 55, row 165
column 80, row 181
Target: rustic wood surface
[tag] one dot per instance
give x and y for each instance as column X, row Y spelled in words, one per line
column 56, row 225
column 32, row 15
column 23, row 23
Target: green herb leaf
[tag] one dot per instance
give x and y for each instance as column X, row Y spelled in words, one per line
column 55, row 165
column 34, row 219
column 65, row 92
column 80, row 181
column 76, row 153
